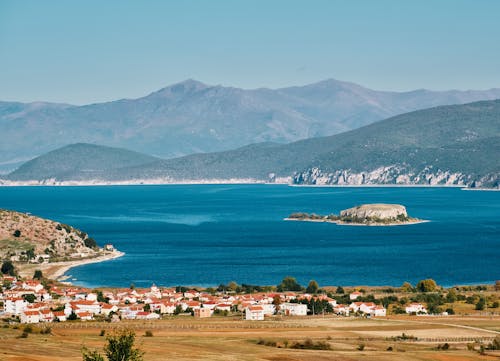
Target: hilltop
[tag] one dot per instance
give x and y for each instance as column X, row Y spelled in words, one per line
column 193, row 117
column 79, row 161
column 24, row 237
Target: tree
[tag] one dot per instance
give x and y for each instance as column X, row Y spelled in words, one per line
column 497, row 285
column 480, row 305
column 276, row 303
column 428, row 285
column 312, row 287
column 17, row 233
column 289, row 284
column 451, row 296
column 119, row 347
column 407, row 287
column 38, row 275
column 340, row 290
column 30, row 253
column 8, row 268
column 30, row 297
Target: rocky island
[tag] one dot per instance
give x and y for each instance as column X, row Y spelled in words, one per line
column 366, row 215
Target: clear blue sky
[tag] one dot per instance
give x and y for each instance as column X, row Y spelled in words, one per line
column 91, row 51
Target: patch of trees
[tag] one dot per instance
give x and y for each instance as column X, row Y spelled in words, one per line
column 119, row 347
column 289, row 284
column 90, row 242
column 8, row 268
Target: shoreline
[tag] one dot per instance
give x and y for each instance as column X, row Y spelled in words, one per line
column 55, row 271
column 341, row 223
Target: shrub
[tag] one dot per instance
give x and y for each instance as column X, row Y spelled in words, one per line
column 46, row 330
column 24, row 335
column 389, row 348
column 28, row 329
column 102, row 333
column 148, row 333
column 361, row 347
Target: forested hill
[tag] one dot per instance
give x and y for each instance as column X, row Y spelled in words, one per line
column 452, row 145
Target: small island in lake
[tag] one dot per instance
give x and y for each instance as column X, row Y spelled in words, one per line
column 366, row 214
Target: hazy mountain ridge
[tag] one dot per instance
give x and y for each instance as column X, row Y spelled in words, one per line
column 191, row 117
column 449, row 145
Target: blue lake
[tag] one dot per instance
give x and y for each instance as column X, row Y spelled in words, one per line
column 211, row 234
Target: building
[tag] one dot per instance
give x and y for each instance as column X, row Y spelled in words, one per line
column 415, row 308
column 355, row 295
column 254, row 313
column 293, row 309
column 202, row 312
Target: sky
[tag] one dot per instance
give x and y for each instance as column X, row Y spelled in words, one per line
column 82, row 52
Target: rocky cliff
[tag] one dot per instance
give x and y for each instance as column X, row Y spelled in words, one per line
column 380, row 211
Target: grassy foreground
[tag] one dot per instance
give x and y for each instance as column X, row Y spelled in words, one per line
column 186, row 338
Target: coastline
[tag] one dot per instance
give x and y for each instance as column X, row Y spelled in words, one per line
column 56, row 270
column 340, row 223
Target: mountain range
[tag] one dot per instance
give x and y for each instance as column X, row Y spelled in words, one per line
column 445, row 145
column 192, row 117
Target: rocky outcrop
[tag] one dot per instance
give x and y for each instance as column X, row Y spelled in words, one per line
column 396, row 175
column 376, row 211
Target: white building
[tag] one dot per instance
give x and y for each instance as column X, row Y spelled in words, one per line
column 294, row 309
column 30, row 317
column 14, row 306
column 415, row 307
column 254, row 313
column 354, row 295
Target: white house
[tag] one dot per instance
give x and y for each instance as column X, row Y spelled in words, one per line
column 294, row 309
column 415, row 307
column 14, row 306
column 30, row 317
column 341, row 309
column 269, row 308
column 354, row 295
column 254, row 313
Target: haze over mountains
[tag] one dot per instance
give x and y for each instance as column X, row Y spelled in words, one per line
column 446, row 145
column 192, row 117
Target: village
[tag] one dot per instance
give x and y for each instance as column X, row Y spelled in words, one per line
column 28, row 301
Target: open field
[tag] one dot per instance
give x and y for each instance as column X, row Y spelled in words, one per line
column 218, row 338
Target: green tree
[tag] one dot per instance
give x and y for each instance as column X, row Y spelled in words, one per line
column 289, row 284
column 428, row 285
column 17, row 233
column 38, row 275
column 8, row 268
column 30, row 253
column 30, row 297
column 407, row 287
column 312, row 287
column 481, row 304
column 340, row 290
column 119, row 347
column 451, row 296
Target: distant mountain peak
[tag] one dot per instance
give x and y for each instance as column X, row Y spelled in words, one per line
column 187, row 86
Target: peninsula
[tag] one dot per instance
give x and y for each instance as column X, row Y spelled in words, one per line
column 366, row 215
column 32, row 242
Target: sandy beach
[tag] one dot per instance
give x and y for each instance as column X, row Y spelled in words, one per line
column 57, row 269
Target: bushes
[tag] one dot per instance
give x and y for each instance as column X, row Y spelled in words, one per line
column 307, row 344
column 148, row 333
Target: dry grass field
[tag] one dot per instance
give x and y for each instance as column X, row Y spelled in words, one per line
column 186, row 338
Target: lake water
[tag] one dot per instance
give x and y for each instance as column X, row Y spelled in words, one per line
column 210, row 234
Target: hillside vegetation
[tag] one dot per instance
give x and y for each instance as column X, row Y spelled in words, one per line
column 451, row 145
column 26, row 238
